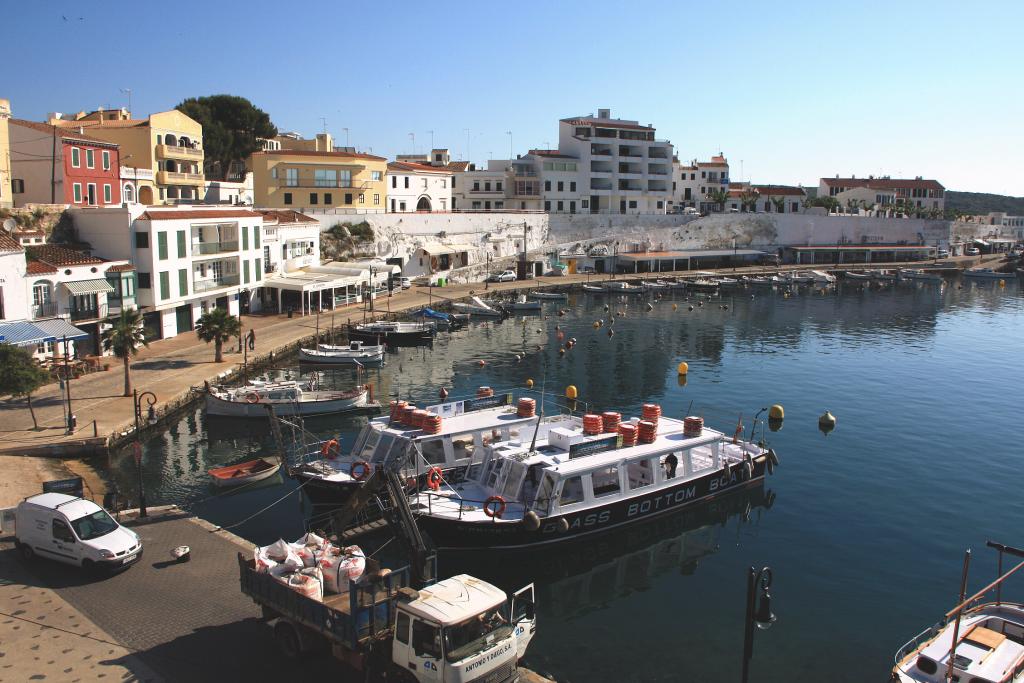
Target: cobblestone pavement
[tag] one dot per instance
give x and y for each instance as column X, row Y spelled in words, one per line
column 159, row 619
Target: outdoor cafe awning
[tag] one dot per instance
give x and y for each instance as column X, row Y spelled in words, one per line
column 99, row 286
column 59, row 328
column 439, row 249
column 24, row 333
column 302, row 281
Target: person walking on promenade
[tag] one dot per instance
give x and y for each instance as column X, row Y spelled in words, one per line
column 251, row 339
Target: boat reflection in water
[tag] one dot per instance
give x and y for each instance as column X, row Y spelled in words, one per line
column 577, row 578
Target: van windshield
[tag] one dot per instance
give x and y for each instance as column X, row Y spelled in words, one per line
column 476, row 634
column 93, row 526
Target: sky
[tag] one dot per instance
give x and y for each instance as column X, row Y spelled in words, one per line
column 788, row 91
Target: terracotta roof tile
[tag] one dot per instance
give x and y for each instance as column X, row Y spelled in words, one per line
column 39, row 268
column 413, row 167
column 458, row 165
column 64, row 132
column 92, row 123
column 303, row 153
column 286, row 216
column 780, row 190
column 56, row 255
column 120, row 268
column 8, row 243
column 885, row 183
column 198, row 214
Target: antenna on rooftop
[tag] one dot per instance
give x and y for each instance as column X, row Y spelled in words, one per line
column 128, row 92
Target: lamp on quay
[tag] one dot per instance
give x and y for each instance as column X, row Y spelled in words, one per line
column 151, row 420
column 759, row 614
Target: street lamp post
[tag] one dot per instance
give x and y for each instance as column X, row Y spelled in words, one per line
column 373, row 286
column 760, row 615
column 487, row 280
column 137, row 445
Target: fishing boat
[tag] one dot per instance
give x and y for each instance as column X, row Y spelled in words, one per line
column 770, row 281
column 549, row 296
column 703, row 285
column 286, row 397
column 356, row 353
column 467, row 427
column 571, row 478
column 393, row 333
column 679, row 285
column 480, row 308
column 654, row 284
column 986, row 274
column 820, row 277
column 796, row 278
column 524, row 305
column 974, row 642
column 446, row 321
column 620, row 287
column 918, row 275
column 593, row 289
column 881, row 275
column 856, row 275
column 728, row 282
column 244, row 472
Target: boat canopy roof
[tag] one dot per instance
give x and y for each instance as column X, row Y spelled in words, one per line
column 460, row 417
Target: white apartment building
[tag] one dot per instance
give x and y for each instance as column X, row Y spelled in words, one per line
column 416, row 187
column 921, row 192
column 189, row 259
column 744, row 197
column 478, row 189
column 621, row 166
column 694, row 184
column 13, row 302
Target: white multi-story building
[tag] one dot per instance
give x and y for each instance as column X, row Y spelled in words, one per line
column 13, row 303
column 416, row 187
column 621, row 166
column 694, row 184
column 189, row 259
column 920, row 192
column 478, row 189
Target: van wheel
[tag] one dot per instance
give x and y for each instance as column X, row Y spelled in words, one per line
column 287, row 640
column 26, row 552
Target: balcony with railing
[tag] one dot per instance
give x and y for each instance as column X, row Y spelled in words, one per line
column 630, row 186
column 215, row 282
column 207, row 248
column 46, row 309
column 174, row 178
column 601, row 150
column 79, row 314
column 321, row 184
column 178, row 152
column 524, row 172
column 657, row 169
column 625, row 151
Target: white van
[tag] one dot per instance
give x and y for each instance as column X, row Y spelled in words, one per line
column 73, row 530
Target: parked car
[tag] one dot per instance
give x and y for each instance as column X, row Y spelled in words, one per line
column 972, row 251
column 406, row 282
column 586, row 270
column 74, row 531
column 504, row 276
column 942, row 253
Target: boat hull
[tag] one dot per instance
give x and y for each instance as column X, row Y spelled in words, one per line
column 392, row 338
column 328, row 358
column 243, row 473
column 450, row 533
column 222, row 408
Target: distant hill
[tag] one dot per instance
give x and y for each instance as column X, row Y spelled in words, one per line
column 982, row 203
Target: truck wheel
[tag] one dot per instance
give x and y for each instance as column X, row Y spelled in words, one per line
column 287, row 640
column 26, row 552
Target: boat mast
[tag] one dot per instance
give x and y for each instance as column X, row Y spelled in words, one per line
column 959, row 614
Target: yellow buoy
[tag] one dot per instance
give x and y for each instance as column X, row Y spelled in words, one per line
column 776, row 412
column 570, row 391
column 529, row 384
column 596, row 324
column 1002, row 283
column 675, row 307
column 683, row 368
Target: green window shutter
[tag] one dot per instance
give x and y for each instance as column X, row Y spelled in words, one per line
column 183, row 282
column 165, row 284
column 161, row 245
column 259, row 269
column 245, row 272
column 181, row 244
column 245, row 237
column 255, row 237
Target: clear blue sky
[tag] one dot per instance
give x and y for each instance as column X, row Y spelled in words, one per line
column 795, row 90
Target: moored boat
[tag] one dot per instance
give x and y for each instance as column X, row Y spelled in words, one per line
column 727, row 282
column 881, row 275
column 287, row 398
column 524, row 305
column 447, row 321
column 356, row 353
column 478, row 307
column 244, row 472
column 986, row 274
column 594, row 289
column 620, row 287
column 918, row 275
column 703, row 285
column 393, row 333
column 549, row 296
column 570, row 478
column 857, row 275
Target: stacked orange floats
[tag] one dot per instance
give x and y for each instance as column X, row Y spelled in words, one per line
column 693, row 426
column 592, row 424
column 527, row 407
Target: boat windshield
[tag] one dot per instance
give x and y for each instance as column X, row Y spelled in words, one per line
column 513, row 477
column 542, row 501
column 476, row 634
column 93, row 526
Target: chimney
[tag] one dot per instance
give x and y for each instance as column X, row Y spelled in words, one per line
column 604, row 113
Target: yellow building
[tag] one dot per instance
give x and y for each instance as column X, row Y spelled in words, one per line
column 310, row 180
column 161, row 156
column 6, row 198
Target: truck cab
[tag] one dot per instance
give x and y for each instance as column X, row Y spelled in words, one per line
column 463, row 629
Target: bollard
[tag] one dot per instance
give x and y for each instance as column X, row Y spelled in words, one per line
column 95, row 429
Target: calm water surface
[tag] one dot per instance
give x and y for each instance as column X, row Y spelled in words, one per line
column 864, row 528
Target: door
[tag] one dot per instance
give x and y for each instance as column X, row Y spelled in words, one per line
column 425, row 662
column 401, row 651
column 183, row 318
column 524, row 618
column 63, row 544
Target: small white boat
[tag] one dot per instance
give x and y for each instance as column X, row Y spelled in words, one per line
column 594, row 289
column 703, row 285
column 287, row 398
column 549, row 296
column 393, row 332
column 820, row 277
column 987, row 274
column 620, row 287
column 728, row 282
column 356, row 353
column 478, row 307
column 881, row 275
column 766, row 281
column 918, row 275
column 797, row 278
column 855, row 275
column 524, row 305
column 654, row 284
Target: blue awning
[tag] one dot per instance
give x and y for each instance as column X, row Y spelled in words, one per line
column 24, row 333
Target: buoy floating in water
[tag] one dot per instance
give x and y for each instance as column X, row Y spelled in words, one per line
column 570, row 392
column 827, row 422
column 777, row 413
column 675, row 307
column 529, row 383
column 683, row 368
column 649, row 307
column 481, row 363
column 442, row 393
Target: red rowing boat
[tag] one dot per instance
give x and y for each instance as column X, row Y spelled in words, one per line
column 244, row 472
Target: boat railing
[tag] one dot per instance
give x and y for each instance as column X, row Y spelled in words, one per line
column 467, row 505
column 916, row 642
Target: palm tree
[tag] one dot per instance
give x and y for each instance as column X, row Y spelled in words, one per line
column 719, row 198
column 217, row 326
column 124, row 338
column 748, row 199
column 780, row 204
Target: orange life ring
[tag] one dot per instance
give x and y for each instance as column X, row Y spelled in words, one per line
column 252, row 397
column 364, row 470
column 331, row 449
column 494, row 507
column 434, row 478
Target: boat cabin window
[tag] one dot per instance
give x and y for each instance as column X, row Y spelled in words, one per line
column 606, row 481
column 572, row 491
column 433, row 450
column 426, row 639
column 369, row 444
column 514, row 472
column 463, row 445
column 354, row 346
column 542, row 501
column 639, row 474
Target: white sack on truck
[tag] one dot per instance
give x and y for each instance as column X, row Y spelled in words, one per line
column 341, row 566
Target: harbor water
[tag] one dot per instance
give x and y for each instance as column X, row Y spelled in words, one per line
column 864, row 528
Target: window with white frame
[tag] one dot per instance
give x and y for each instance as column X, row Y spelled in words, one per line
column 76, row 157
column 325, row 177
column 90, row 158
column 77, row 188
column 106, row 160
column 107, row 198
column 291, row 177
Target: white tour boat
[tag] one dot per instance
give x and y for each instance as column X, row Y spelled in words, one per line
column 549, row 296
column 594, row 289
column 727, row 282
column 467, row 427
column 287, row 398
column 356, row 353
column 566, row 478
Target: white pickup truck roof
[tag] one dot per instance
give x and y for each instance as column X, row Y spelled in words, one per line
column 70, row 506
column 455, row 599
